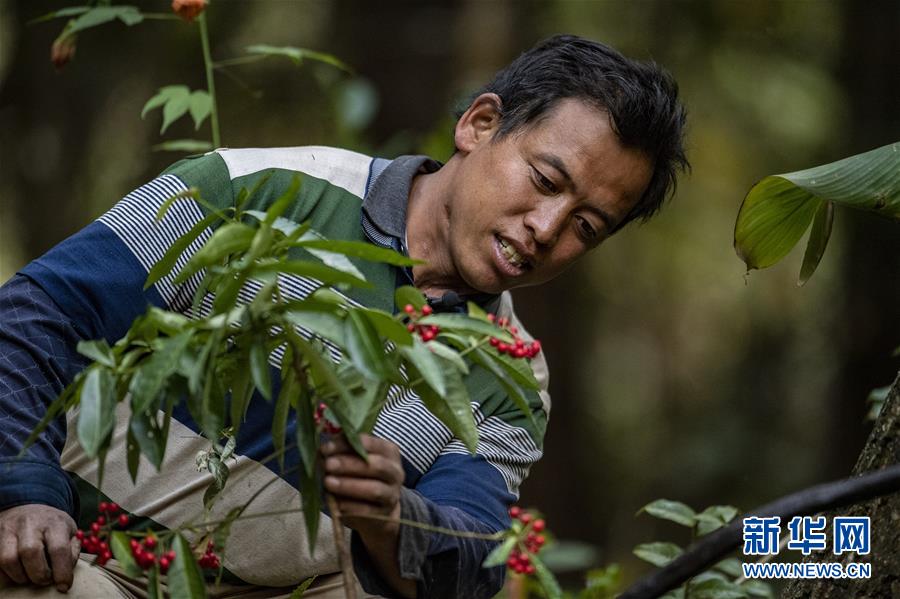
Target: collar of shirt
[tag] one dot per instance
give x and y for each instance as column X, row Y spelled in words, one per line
column 384, row 219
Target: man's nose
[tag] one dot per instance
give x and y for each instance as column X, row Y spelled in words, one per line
column 545, row 222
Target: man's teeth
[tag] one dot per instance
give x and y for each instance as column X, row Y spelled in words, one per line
column 511, row 254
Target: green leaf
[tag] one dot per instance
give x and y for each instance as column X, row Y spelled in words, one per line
column 99, row 15
column 500, row 553
column 604, row 582
column 715, row 589
column 165, row 264
column 320, row 272
column 730, row 566
column 306, row 434
column 133, row 455
column 67, row 399
column 185, row 580
column 409, row 295
column 460, row 323
column 280, row 415
column 97, row 415
column 426, row 364
column 674, row 511
column 388, row 327
column 758, row 588
column 154, row 586
column 121, row 550
column 183, row 145
column 302, row 588
column 519, row 370
column 311, row 503
column 297, row 55
column 779, row 209
column 658, row 554
column 454, row 409
column 475, row 311
column 175, row 107
column 98, row 351
column 152, row 374
column 448, row 354
column 259, row 368
column 241, row 392
column 359, row 249
column 487, row 361
column 818, row 239
column 546, row 579
column 569, row 556
column 364, row 347
column 715, row 517
column 333, row 259
column 63, row 12
column 220, row 472
column 323, row 324
column 146, row 432
column 228, row 239
column 200, row 105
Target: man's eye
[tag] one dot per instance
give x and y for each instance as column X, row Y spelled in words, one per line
column 586, row 229
column 544, row 182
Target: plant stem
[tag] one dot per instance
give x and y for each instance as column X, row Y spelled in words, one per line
column 239, row 60
column 344, row 557
column 210, row 81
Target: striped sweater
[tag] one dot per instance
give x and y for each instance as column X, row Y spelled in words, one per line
column 90, row 286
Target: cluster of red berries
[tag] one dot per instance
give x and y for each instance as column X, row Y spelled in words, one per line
column 323, row 423
column 426, row 332
column 209, row 559
column 519, row 560
column 95, row 540
column 519, row 348
column 145, row 554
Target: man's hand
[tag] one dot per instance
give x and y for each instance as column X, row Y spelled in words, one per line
column 370, row 488
column 37, row 546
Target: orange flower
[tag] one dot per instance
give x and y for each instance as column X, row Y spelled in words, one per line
column 188, row 9
column 62, row 50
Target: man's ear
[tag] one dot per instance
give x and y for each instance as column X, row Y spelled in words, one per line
column 478, row 123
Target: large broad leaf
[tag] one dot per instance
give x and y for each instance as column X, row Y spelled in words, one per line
column 453, row 409
column 98, row 410
column 185, row 579
column 779, row 209
column 427, row 365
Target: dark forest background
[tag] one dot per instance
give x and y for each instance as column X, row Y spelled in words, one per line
column 672, row 373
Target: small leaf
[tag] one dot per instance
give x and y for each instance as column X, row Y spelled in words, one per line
column 183, row 145
column 324, row 324
column 546, row 579
column 359, row 249
column 63, row 12
column 715, row 517
column 185, row 580
column 200, row 105
column 302, row 588
column 99, row 15
column 730, row 566
column 241, row 392
column 408, row 295
column 715, row 589
column 658, row 554
column 427, row 365
column 364, row 347
column 97, row 351
column 303, row 268
column 97, row 415
column 388, row 327
column 176, row 105
column 228, row 239
column 147, row 434
column 312, row 504
column 151, row 376
column 460, row 323
column 448, row 354
column 121, row 550
column 167, row 262
column 280, row 416
column 674, row 511
column 259, row 368
column 818, row 240
column 133, row 455
column 486, row 361
column 758, row 588
column 297, row 55
column 500, row 553
column 454, row 409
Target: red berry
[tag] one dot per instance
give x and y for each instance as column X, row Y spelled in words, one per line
column 79, row 534
column 515, row 511
column 150, row 542
column 103, row 506
column 525, row 518
column 101, row 520
column 210, row 546
column 491, row 317
column 409, row 309
column 135, row 545
column 502, row 347
column 170, row 554
column 512, row 562
column 113, row 508
column 106, row 555
column 520, row 352
column 536, row 346
column 164, row 564
column 426, row 310
column 538, row 525
column 104, row 546
column 410, row 327
column 95, row 527
column 529, row 569
column 494, row 342
column 514, row 330
column 123, row 520
column 101, row 560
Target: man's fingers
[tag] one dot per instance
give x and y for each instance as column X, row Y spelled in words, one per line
column 367, row 490
column 338, row 444
column 33, row 556
column 59, row 548
column 378, row 467
column 9, row 559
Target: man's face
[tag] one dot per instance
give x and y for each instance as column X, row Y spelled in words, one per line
column 527, row 206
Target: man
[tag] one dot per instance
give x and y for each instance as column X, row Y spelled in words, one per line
column 563, row 148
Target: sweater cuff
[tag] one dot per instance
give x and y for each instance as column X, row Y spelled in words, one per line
column 412, row 552
column 29, row 480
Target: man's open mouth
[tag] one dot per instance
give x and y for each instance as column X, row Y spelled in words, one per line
column 510, row 253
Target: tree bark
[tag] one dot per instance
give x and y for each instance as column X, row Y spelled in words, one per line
column 882, row 449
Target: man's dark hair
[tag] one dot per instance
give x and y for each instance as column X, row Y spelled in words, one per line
column 640, row 97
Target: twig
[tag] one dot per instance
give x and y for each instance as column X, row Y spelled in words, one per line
column 712, row 548
column 344, row 557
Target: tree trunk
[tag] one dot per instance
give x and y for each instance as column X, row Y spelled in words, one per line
column 882, row 449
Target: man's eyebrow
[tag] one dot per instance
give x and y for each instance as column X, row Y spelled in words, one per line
column 557, row 163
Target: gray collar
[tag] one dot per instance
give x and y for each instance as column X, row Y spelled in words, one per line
column 384, row 206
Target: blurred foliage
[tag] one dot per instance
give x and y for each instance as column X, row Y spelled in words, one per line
column 672, row 374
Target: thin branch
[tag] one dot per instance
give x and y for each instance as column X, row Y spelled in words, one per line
column 344, row 557
column 715, row 546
